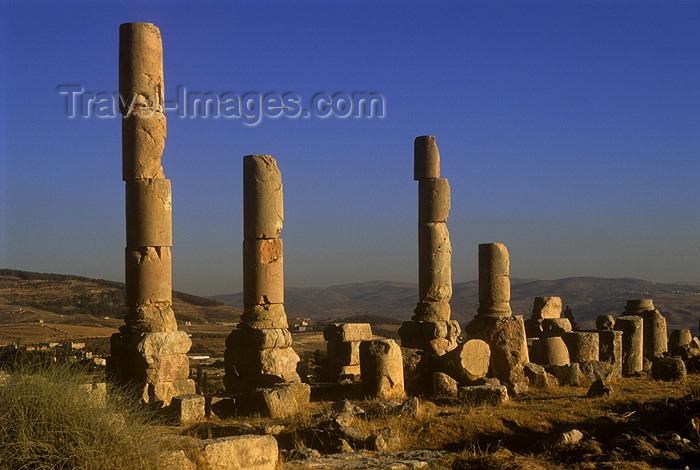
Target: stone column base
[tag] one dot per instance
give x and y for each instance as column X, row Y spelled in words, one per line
column 153, row 364
column 437, row 337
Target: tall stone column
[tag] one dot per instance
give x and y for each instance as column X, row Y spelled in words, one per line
column 494, row 322
column 431, row 328
column 259, row 351
column 148, row 351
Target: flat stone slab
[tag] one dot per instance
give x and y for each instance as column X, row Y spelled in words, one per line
column 478, row 395
column 348, row 332
column 239, row 453
column 364, row 460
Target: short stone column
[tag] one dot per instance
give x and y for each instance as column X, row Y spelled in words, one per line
column 382, row 369
column 259, row 351
column 493, row 323
column 655, row 331
column 550, row 351
column 632, row 328
column 430, row 328
column 148, row 351
column 583, row 345
column 611, row 349
column 680, row 339
column 343, row 347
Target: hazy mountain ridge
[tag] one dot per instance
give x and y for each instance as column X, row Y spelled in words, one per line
column 587, row 297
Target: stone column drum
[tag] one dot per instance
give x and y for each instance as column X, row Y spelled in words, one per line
column 632, row 343
column 494, row 323
column 259, row 351
column 148, row 351
column 655, row 331
column 430, row 328
column 382, row 369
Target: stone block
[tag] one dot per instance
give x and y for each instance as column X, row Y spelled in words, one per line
column 264, row 316
column 148, row 275
column 678, row 340
column 467, row 362
column 167, row 368
column 95, row 393
column 668, row 369
column 219, row 406
column 149, row 210
column 150, row 317
column 567, row 375
column 341, row 332
column 433, row 200
column 417, row 371
column 381, row 366
column 278, row 401
column 582, row 345
column 343, row 353
column 604, row 322
column 263, row 207
column 435, row 263
column 555, row 326
column 426, row 158
column 177, row 460
column 444, row 385
column 506, row 338
column 246, row 452
column 546, row 307
column 263, row 367
column 478, row 395
column 432, row 311
column 611, row 349
column 437, row 337
column 164, row 391
column 188, row 409
column 246, row 337
column 594, row 370
column 166, row 343
column 263, row 272
column 550, row 351
column 632, row 343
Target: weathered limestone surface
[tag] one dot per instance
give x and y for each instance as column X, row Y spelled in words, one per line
column 655, row 334
column 278, row 401
column 436, row 336
column 477, row 395
column 604, row 322
column 339, row 332
column 148, row 351
column 434, row 254
column 506, row 339
column 444, row 385
column 382, row 368
column 555, row 326
column 246, row 452
column 632, row 343
column 494, row 283
column 550, row 351
column 259, row 352
column 546, row 307
column 583, row 345
column 611, row 349
column 678, row 340
column 467, row 362
column 188, row 409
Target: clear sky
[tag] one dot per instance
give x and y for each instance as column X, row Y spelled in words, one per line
column 569, row 130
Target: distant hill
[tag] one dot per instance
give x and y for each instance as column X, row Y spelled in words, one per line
column 29, row 296
column 588, row 297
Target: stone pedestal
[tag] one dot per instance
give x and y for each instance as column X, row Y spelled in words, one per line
column 493, row 323
column 148, row 353
column 259, row 351
column 632, row 329
column 343, row 347
column 430, row 328
column 382, row 369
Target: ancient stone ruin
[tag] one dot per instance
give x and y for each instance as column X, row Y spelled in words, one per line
column 430, row 328
column 149, row 351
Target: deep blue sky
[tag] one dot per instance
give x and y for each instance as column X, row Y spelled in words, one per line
column 568, row 130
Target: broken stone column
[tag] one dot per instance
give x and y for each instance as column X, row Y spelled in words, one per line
column 148, row 352
column 550, row 351
column 611, row 349
column 582, row 345
column 655, row 332
column 632, row 343
column 493, row 323
column 382, row 369
column 259, row 351
column 343, row 347
column 430, row 328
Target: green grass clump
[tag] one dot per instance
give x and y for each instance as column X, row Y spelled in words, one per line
column 49, row 421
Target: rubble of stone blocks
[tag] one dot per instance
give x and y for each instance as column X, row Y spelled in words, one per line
column 343, row 348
